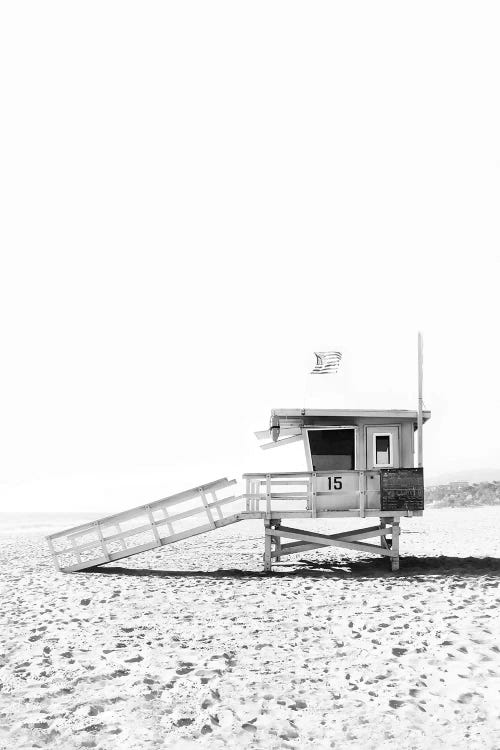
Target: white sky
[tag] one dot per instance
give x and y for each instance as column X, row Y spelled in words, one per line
column 196, row 196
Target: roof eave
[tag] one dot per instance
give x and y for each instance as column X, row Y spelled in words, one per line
column 405, row 414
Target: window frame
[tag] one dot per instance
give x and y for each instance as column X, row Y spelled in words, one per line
column 313, row 428
column 374, row 450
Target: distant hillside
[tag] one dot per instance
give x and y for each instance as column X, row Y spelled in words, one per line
column 466, row 475
column 463, row 495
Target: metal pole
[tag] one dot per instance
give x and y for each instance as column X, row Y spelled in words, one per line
column 420, row 399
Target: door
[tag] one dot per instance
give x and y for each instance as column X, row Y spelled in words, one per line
column 383, row 447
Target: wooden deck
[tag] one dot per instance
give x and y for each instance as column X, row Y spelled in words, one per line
column 270, row 497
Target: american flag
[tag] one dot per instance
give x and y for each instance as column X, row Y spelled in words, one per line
column 326, row 363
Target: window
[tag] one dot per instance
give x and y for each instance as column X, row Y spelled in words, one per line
column 382, row 450
column 332, row 449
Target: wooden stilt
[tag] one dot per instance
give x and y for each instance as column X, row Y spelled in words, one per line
column 267, row 546
column 383, row 540
column 277, row 542
column 395, row 545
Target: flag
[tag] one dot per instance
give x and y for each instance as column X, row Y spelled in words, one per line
column 326, row 363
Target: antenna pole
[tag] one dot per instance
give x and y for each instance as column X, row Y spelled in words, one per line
column 420, row 399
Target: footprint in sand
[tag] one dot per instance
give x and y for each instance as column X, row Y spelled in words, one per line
column 396, row 704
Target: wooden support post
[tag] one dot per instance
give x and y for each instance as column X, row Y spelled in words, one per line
column 395, row 544
column 362, row 494
column 267, row 546
column 277, row 541
column 76, row 553
column 153, row 525
column 383, row 540
column 247, row 493
column 217, row 507
column 254, row 490
column 268, row 495
column 102, row 542
column 207, row 509
column 314, row 507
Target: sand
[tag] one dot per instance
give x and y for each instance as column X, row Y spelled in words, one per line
column 191, row 646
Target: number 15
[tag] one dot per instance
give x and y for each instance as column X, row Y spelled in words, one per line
column 337, row 483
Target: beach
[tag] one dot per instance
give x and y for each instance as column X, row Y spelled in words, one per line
column 193, row 646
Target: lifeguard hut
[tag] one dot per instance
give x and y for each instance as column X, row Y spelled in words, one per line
column 360, row 464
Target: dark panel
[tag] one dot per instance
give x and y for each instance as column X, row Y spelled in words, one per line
column 333, row 462
column 332, row 449
column 401, row 489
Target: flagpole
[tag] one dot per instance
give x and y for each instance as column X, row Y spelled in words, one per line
column 420, row 399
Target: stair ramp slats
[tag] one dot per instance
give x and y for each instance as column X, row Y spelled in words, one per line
column 145, row 527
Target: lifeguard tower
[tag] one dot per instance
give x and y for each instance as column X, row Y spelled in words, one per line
column 360, row 464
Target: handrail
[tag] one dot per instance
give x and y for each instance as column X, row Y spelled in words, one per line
column 263, row 475
column 143, row 527
column 219, row 484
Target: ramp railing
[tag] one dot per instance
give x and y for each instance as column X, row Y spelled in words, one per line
column 144, row 527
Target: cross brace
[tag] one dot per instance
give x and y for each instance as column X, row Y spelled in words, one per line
column 322, row 540
column 336, row 540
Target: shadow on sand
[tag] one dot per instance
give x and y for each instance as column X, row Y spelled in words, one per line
column 364, row 568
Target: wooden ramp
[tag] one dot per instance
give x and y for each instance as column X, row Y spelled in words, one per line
column 162, row 522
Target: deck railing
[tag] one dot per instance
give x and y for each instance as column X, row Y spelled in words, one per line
column 302, row 490
column 263, row 491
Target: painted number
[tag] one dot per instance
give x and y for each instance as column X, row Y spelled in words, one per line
column 337, row 483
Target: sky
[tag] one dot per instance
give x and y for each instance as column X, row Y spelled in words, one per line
column 197, row 196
